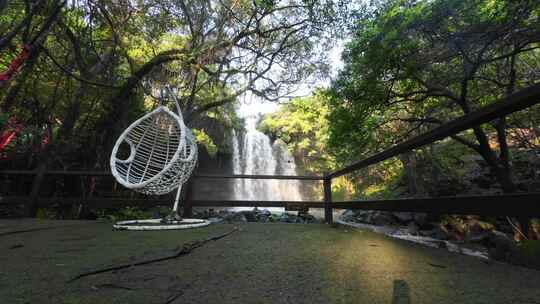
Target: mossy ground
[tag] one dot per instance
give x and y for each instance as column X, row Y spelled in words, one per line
column 262, row 263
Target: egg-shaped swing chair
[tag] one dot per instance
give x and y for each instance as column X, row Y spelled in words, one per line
column 161, row 155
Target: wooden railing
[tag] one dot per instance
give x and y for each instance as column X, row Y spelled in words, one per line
column 116, row 202
column 520, row 205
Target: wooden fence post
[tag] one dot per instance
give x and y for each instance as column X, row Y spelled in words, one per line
column 31, row 204
column 188, row 200
column 328, row 214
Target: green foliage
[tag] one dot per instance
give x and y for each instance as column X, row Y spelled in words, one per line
column 410, row 59
column 303, row 125
column 205, row 140
column 413, row 65
column 3, row 119
column 46, row 214
column 410, row 66
column 125, row 213
column 379, row 181
column 101, row 65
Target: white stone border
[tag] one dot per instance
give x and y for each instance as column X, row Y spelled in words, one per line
column 183, row 224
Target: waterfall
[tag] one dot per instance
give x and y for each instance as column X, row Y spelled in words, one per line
column 253, row 153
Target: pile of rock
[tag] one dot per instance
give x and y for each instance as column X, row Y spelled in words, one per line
column 414, row 222
column 255, row 215
column 461, row 232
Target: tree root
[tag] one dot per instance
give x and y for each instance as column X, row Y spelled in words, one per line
column 186, row 249
column 436, row 265
column 112, row 286
column 173, row 297
column 16, row 246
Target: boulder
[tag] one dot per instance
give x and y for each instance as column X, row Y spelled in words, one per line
column 263, row 212
column 381, row 218
column 215, row 220
column 274, row 217
column 479, row 237
column 348, row 216
column 306, row 217
column 421, row 219
column 249, row 215
column 285, row 217
column 290, row 218
column 236, row 217
column 436, row 233
column 403, row 217
column 361, row 216
column 412, row 228
column 263, row 218
column 503, row 225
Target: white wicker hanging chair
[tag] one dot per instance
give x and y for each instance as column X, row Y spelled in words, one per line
column 162, row 153
column 153, row 156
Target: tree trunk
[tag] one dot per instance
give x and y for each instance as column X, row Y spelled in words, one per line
column 3, row 4
column 496, row 165
column 409, row 164
column 31, row 204
column 435, row 171
column 18, row 82
column 488, row 154
column 34, row 51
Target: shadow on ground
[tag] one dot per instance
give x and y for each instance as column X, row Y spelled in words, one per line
column 401, row 293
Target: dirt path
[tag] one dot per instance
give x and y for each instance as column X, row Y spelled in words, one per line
column 263, row 263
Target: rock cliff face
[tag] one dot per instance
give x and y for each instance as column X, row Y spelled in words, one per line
column 219, row 164
column 213, row 189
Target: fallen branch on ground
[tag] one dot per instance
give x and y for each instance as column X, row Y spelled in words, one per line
column 174, row 297
column 113, row 286
column 186, row 249
column 436, row 265
column 16, row 246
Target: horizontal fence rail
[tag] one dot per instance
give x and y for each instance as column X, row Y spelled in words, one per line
column 106, row 202
column 94, row 202
column 518, row 205
column 526, row 204
column 57, row 172
column 250, row 203
column 117, row 202
column 244, row 176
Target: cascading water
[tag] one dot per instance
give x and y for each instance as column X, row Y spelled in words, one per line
column 253, row 153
